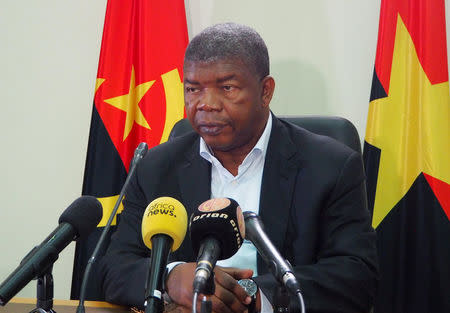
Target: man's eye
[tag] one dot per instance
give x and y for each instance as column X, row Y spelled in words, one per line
column 227, row 88
column 191, row 89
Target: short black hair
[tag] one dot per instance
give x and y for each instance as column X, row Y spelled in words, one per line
column 230, row 40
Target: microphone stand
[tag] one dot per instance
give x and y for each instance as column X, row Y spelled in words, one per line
column 139, row 153
column 44, row 302
column 160, row 250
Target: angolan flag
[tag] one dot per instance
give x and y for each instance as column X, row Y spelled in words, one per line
column 138, row 97
column 407, row 157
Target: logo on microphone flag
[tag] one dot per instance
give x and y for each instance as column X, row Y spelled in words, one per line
column 138, row 97
column 406, row 155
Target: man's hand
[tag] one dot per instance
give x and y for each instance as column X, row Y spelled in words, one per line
column 228, row 297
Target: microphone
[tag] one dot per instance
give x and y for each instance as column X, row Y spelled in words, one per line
column 217, row 230
column 139, row 153
column 164, row 226
column 77, row 221
column 279, row 267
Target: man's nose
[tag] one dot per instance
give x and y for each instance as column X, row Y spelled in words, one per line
column 209, row 101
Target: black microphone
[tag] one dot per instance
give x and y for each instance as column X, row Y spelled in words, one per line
column 139, row 153
column 78, row 220
column 279, row 267
column 217, row 230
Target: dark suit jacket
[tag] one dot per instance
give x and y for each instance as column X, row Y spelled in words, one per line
column 313, row 205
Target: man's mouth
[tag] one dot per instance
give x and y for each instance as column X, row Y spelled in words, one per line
column 210, row 129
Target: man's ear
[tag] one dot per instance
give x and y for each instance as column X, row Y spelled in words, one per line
column 268, row 87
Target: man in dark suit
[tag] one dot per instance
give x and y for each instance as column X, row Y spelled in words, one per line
column 309, row 190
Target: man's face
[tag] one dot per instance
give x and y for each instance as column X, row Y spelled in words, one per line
column 226, row 103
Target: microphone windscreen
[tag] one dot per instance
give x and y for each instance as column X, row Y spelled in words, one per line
column 222, row 219
column 83, row 214
column 164, row 215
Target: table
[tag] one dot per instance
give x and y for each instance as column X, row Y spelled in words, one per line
column 25, row 305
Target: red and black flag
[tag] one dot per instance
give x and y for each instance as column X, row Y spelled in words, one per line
column 407, row 157
column 138, row 97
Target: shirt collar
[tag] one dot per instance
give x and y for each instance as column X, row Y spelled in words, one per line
column 261, row 145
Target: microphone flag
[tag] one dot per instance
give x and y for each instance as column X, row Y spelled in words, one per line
column 164, row 226
column 222, row 219
column 138, row 98
column 164, row 215
column 217, row 231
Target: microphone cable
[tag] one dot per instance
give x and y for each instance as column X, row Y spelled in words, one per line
column 302, row 303
column 194, row 302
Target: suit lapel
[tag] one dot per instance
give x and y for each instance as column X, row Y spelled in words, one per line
column 280, row 170
column 194, row 175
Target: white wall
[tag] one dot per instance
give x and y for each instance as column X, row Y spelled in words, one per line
column 48, row 64
column 322, row 55
column 322, row 52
